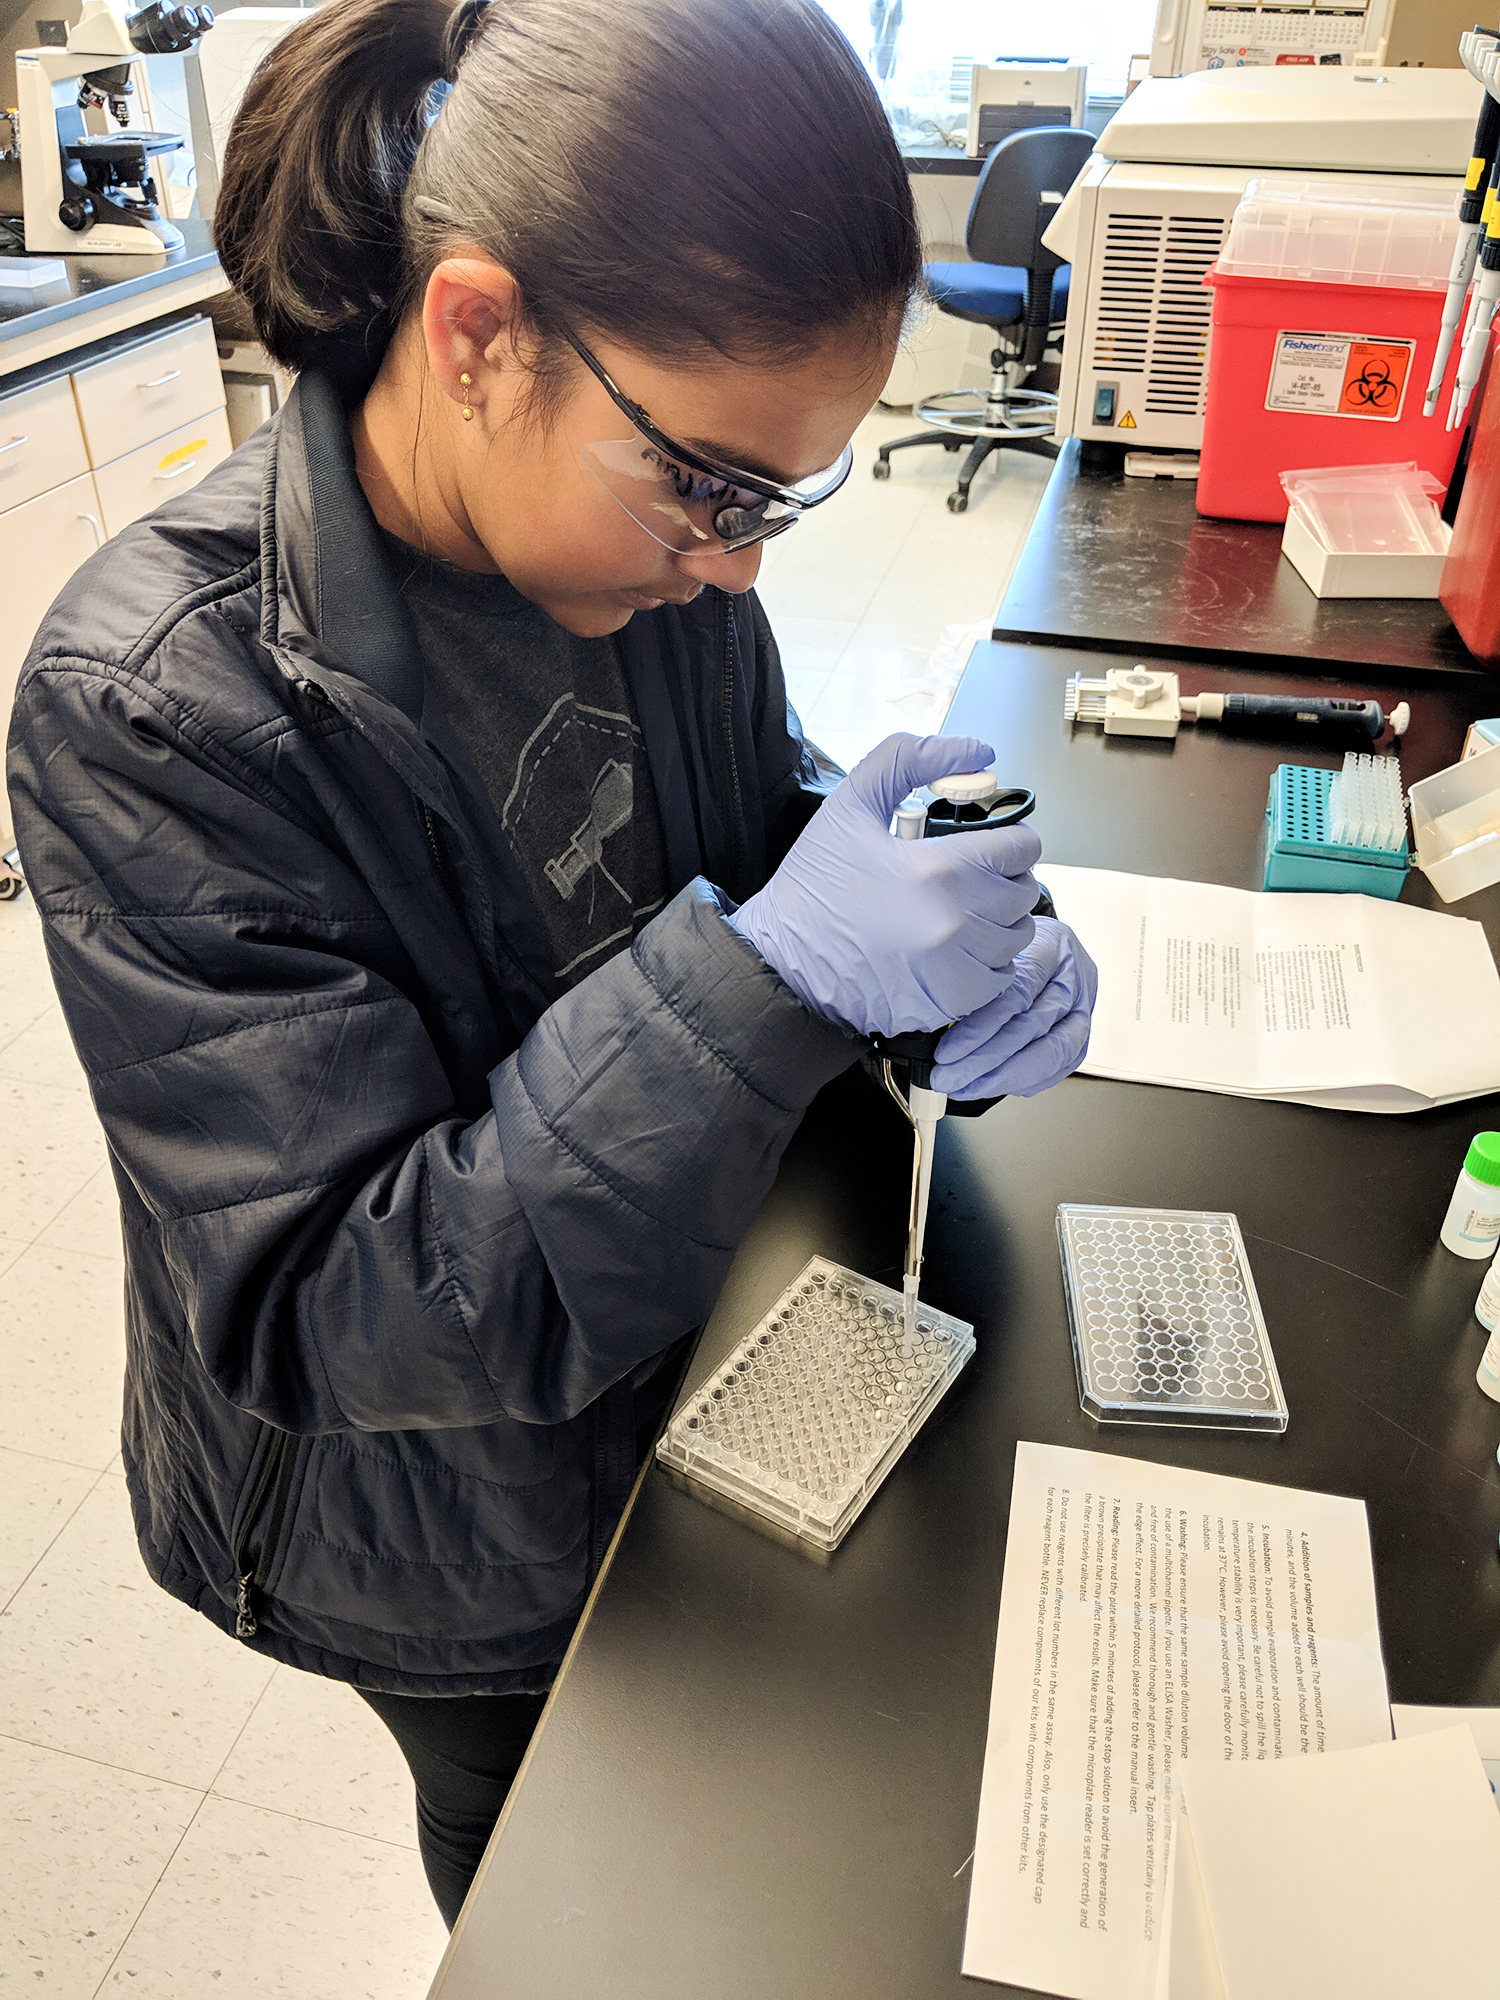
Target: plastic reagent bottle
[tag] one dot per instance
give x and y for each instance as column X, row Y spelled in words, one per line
column 1471, row 1228
column 1487, row 1312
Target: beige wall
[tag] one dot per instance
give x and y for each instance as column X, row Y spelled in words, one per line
column 1427, row 31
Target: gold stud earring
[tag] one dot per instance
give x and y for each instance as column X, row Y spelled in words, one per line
column 468, row 413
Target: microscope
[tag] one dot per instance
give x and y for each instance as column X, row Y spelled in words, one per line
column 86, row 193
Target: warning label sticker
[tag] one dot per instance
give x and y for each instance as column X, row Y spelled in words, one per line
column 1339, row 375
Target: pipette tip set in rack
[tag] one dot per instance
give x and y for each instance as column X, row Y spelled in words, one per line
column 1339, row 831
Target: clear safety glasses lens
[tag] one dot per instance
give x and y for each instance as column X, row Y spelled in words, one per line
column 688, row 510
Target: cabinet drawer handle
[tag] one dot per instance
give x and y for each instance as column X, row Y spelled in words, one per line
column 170, row 376
column 16, row 443
column 93, row 521
column 177, row 472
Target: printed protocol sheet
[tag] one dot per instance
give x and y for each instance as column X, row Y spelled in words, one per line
column 1149, row 1614
column 1345, row 1001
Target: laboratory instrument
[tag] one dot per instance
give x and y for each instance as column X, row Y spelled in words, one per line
column 1487, row 1375
column 803, row 1420
column 85, row 193
column 1165, row 1320
column 1479, row 50
column 1471, row 1228
column 960, row 803
column 1006, row 97
column 1339, row 832
column 1149, row 213
column 1473, row 216
column 1142, row 701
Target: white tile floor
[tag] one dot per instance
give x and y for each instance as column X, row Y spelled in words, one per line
column 177, row 1818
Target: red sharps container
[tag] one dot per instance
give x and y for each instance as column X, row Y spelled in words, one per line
column 1328, row 299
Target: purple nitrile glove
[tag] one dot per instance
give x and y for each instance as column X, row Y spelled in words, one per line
column 1034, row 1033
column 885, row 935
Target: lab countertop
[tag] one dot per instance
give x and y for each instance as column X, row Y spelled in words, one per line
column 759, row 1774
column 1129, row 565
column 96, row 284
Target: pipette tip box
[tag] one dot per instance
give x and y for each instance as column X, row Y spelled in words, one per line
column 802, row 1422
column 1165, row 1322
column 1300, row 851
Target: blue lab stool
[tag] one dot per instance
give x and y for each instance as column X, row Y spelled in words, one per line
column 1015, row 287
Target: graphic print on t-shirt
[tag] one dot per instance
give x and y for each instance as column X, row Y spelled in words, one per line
column 570, row 811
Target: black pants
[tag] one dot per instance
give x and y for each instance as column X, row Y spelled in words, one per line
column 463, row 1754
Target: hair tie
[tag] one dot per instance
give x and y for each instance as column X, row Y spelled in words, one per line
column 463, row 24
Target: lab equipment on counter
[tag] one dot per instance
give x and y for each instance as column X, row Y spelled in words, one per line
column 1487, row 1312
column 802, row 1422
column 1327, row 310
column 1366, row 530
column 82, row 192
column 956, row 804
column 1455, row 820
column 1487, row 1374
column 1148, row 214
column 1339, row 832
column 1471, row 1228
column 1473, row 212
column 1142, row 701
column 1165, row 1320
column 1481, row 736
column 1479, row 51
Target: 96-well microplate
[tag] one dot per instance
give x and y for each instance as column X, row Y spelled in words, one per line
column 813, row 1408
column 1166, row 1325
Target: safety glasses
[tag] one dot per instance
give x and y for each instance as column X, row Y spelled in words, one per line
column 689, row 503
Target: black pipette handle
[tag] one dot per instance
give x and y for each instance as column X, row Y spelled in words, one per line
column 1334, row 713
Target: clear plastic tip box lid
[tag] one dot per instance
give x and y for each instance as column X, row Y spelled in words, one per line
column 805, row 1418
column 1166, row 1325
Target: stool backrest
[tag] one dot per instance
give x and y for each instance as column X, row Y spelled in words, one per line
column 1008, row 213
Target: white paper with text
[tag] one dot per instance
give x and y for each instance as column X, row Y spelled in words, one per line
column 1148, row 1614
column 1341, row 1000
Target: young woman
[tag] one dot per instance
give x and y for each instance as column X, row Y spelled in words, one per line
column 412, row 806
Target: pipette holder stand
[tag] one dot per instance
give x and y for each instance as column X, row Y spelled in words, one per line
column 1300, row 851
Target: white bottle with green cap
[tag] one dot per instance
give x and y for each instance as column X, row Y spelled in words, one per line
column 1471, row 1227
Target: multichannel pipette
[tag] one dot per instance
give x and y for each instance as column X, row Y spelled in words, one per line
column 1480, row 51
column 1141, row 701
column 960, row 804
column 1473, row 216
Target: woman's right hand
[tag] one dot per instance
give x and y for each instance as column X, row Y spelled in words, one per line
column 885, row 935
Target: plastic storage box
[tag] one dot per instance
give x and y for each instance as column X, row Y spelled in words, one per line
column 1455, row 819
column 1300, row 851
column 1365, row 530
column 1328, row 298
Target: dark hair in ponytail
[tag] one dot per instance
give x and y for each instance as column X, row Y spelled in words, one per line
column 677, row 175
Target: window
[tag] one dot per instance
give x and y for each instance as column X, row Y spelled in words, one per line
column 928, row 58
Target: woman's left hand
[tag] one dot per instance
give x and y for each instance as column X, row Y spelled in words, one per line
column 1034, row 1033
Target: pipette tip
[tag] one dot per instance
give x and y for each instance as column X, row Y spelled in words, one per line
column 909, row 1303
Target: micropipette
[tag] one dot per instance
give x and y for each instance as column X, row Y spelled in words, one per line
column 1339, row 713
column 1474, row 213
column 964, row 803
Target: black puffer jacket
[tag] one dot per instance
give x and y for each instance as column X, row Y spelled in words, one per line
column 399, row 1222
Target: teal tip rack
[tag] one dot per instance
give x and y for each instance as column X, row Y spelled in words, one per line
column 1300, row 849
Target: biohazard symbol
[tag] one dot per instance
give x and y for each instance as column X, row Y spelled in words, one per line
column 1374, row 377
column 1128, row 422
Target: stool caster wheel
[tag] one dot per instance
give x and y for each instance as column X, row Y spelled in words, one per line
column 881, row 469
column 958, row 503
column 950, row 444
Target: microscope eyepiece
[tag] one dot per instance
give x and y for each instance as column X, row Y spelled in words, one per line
column 162, row 30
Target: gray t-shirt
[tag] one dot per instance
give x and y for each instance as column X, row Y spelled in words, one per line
column 546, row 718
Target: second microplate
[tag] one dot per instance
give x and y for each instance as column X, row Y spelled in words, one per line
column 1166, row 1325
column 801, row 1423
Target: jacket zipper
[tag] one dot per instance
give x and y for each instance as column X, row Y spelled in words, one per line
column 274, row 1482
column 601, row 1482
column 736, row 806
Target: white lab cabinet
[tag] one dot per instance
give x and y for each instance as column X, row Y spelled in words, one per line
column 84, row 454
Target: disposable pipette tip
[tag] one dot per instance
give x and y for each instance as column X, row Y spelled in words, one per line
column 909, row 1303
